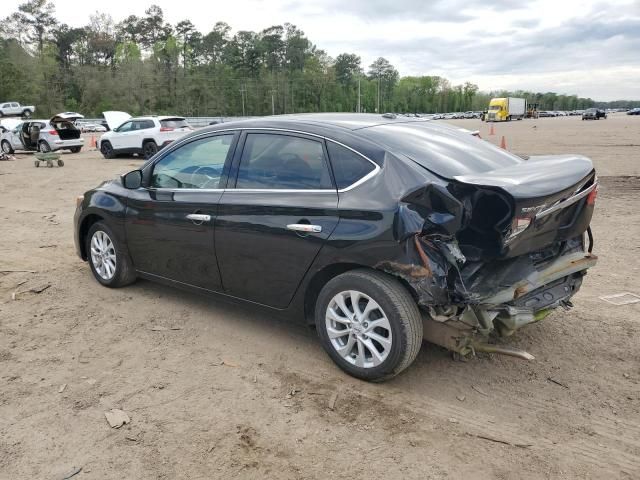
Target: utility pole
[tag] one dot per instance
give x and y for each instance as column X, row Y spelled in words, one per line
column 378, row 104
column 273, row 104
column 242, row 90
column 359, row 110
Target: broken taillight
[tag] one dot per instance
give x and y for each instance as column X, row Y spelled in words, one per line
column 591, row 198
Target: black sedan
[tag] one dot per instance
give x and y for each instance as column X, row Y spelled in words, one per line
column 378, row 230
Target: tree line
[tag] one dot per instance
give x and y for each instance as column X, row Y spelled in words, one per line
column 145, row 65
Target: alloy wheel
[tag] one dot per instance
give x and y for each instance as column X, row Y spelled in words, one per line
column 358, row 329
column 103, row 255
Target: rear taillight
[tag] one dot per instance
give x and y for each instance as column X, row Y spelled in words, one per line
column 52, row 132
column 591, row 198
column 166, row 129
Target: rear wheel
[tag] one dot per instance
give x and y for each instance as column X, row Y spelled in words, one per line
column 6, row 147
column 109, row 261
column 149, row 149
column 75, row 149
column 107, row 150
column 44, row 147
column 369, row 324
column 26, row 113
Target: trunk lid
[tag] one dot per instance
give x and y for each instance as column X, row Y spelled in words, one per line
column 529, row 206
column 66, row 116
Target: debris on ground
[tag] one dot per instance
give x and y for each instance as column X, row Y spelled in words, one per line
column 36, row 290
column 479, row 390
column 624, row 298
column 499, row 440
column 62, row 388
column 71, row 473
column 453, row 420
column 332, row 400
column 160, row 328
column 292, row 392
column 116, row 418
column 461, row 398
column 557, row 382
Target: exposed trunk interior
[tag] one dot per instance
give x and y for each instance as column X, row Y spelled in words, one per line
column 67, row 130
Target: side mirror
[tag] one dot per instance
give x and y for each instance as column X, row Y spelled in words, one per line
column 132, row 180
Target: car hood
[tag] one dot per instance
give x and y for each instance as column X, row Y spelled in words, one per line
column 68, row 116
column 115, row 119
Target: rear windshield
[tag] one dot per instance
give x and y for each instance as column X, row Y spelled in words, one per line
column 444, row 151
column 174, row 123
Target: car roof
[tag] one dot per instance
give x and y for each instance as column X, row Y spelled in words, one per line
column 157, row 117
column 337, row 121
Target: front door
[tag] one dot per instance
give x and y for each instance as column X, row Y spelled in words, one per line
column 271, row 226
column 170, row 224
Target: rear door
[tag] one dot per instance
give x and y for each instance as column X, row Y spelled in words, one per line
column 170, row 223
column 274, row 219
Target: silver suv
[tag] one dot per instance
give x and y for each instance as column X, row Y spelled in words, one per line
column 57, row 133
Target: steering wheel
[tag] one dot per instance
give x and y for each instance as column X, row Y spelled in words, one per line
column 207, row 172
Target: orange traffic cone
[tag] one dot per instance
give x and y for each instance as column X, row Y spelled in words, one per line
column 503, row 143
column 492, row 132
column 92, row 144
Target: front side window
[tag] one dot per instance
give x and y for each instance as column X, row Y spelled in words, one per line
column 125, row 127
column 283, row 162
column 198, row 164
column 348, row 166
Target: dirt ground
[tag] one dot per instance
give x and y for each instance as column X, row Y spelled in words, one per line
column 225, row 391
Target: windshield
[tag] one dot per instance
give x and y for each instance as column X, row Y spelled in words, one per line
column 495, row 107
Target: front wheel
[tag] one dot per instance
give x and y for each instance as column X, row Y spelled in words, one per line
column 107, row 150
column 369, row 324
column 6, row 147
column 45, row 147
column 26, row 113
column 109, row 261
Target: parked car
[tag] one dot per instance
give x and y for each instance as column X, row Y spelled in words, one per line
column 57, row 133
column 8, row 109
column 379, row 230
column 593, row 114
column 140, row 135
column 634, row 111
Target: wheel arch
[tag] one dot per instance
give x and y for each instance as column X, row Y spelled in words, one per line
column 323, row 276
column 86, row 224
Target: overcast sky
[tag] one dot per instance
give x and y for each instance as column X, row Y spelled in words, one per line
column 591, row 48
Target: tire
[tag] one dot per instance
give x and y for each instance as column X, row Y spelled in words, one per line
column 107, row 150
column 75, row 149
column 6, row 147
column 394, row 303
column 120, row 271
column 44, row 147
column 26, row 113
column 149, row 149
column 36, row 163
column 61, row 163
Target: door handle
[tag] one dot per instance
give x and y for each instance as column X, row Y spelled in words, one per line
column 197, row 217
column 304, row 227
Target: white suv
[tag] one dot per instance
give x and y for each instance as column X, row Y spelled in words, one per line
column 140, row 135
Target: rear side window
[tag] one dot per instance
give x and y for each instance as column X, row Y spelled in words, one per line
column 143, row 124
column 272, row 161
column 174, row 123
column 348, row 166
